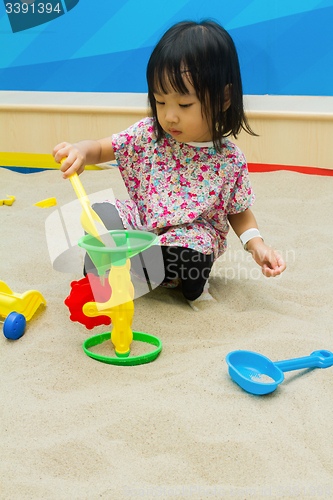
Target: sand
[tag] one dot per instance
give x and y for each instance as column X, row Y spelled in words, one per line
column 179, row 427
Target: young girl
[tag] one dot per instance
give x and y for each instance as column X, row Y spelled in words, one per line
column 186, row 180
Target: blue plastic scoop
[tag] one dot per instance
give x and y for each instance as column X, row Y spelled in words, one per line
column 257, row 374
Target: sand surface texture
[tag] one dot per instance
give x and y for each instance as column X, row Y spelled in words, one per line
column 73, row 428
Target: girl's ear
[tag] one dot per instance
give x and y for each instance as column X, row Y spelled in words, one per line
column 227, row 97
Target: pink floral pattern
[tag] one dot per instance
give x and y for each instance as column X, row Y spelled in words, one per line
column 182, row 193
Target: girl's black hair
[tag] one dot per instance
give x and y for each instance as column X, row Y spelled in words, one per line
column 207, row 53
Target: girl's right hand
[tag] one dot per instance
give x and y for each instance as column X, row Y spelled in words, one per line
column 75, row 158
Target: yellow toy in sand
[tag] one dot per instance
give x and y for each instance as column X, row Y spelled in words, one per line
column 17, row 309
column 25, row 303
column 49, row 202
column 119, row 307
column 8, row 202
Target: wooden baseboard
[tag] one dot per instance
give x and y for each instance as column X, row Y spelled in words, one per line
column 294, row 131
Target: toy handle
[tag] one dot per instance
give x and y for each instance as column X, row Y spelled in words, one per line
column 317, row 359
column 78, row 188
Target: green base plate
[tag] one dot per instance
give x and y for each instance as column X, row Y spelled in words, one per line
column 134, row 360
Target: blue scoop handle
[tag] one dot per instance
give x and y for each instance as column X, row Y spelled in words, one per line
column 317, row 359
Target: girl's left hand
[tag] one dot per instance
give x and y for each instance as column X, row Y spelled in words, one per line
column 270, row 261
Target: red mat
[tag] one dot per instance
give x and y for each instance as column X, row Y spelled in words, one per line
column 262, row 167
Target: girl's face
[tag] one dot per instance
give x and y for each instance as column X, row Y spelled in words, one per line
column 182, row 116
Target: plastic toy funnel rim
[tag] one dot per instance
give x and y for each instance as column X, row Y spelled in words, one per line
column 129, row 243
column 125, row 361
column 132, row 243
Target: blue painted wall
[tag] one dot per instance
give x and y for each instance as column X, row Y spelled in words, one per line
column 285, row 46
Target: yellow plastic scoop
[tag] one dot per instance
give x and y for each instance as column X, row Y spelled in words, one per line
column 90, row 221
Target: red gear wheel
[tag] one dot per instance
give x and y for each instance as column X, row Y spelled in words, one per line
column 81, row 293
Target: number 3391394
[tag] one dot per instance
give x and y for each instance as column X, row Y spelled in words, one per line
column 24, row 8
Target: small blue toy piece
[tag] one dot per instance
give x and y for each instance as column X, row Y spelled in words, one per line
column 14, row 326
column 257, row 374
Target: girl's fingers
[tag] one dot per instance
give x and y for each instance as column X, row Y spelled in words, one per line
column 70, row 158
column 274, row 265
column 71, row 168
column 65, row 163
column 57, row 148
column 267, row 271
column 280, row 262
column 62, row 154
column 271, row 272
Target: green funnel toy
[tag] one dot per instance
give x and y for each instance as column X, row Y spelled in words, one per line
column 120, row 306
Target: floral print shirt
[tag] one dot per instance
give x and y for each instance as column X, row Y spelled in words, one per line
column 181, row 192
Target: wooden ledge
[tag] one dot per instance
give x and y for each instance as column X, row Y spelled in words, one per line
column 306, row 108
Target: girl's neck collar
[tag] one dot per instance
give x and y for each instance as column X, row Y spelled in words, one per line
column 208, row 144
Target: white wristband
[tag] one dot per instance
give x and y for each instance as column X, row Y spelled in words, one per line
column 248, row 235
